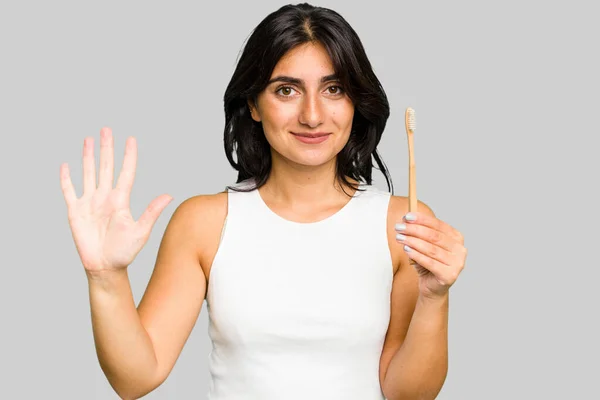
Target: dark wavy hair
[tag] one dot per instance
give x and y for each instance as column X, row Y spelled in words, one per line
column 278, row 33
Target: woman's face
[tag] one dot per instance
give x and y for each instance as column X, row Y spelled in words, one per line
column 305, row 114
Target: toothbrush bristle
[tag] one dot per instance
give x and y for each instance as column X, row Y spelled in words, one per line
column 411, row 119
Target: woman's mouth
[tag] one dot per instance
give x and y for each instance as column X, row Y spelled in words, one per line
column 311, row 138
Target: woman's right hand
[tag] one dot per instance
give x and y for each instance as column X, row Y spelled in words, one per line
column 105, row 234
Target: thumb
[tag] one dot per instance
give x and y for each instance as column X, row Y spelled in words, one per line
column 151, row 214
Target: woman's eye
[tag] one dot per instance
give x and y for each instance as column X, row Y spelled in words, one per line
column 285, row 90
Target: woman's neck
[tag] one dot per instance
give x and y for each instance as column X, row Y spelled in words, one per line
column 303, row 186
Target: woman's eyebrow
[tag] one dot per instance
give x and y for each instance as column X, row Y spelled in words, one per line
column 300, row 82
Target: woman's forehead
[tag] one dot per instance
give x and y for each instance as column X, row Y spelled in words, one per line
column 308, row 62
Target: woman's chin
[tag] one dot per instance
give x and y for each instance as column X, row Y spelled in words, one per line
column 313, row 159
column 303, row 157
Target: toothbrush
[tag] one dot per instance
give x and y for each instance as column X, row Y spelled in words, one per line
column 412, row 180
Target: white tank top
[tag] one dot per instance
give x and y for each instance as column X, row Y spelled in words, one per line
column 300, row 310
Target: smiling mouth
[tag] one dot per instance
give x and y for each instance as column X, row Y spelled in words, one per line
column 311, row 135
column 311, row 138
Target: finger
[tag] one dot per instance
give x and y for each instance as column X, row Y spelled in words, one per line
column 150, row 215
column 429, row 249
column 106, row 173
column 430, row 221
column 427, row 234
column 127, row 175
column 89, row 167
column 442, row 272
column 67, row 185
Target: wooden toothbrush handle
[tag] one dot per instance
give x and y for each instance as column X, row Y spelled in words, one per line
column 412, row 179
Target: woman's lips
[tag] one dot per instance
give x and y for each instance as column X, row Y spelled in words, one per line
column 311, row 138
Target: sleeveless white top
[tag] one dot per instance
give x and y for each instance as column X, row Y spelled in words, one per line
column 300, row 310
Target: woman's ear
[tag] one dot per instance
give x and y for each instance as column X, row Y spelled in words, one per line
column 253, row 111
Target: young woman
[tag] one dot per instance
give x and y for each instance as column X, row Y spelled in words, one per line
column 304, row 265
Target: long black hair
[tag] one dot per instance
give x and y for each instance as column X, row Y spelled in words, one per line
column 279, row 32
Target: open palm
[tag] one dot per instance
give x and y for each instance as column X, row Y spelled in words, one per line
column 105, row 233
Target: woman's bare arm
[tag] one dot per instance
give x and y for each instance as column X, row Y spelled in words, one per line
column 137, row 348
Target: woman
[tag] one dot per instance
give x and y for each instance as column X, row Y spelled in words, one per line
column 304, row 265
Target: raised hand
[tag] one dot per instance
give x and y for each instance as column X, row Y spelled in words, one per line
column 105, row 234
column 436, row 247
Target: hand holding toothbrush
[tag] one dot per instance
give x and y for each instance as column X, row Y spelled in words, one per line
column 435, row 248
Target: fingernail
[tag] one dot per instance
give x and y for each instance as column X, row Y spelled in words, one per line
column 400, row 237
column 400, row 227
column 410, row 217
column 406, row 248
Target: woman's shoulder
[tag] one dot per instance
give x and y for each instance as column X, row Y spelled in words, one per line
column 205, row 214
column 204, row 205
column 398, row 206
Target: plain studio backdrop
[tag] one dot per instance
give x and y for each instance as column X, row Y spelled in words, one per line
column 506, row 101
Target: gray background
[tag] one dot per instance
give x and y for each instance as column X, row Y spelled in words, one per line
column 506, row 100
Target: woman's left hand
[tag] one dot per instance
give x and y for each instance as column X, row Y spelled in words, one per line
column 436, row 250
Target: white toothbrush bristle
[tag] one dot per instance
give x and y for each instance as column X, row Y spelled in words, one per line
column 411, row 119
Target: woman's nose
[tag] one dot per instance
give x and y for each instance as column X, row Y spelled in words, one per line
column 311, row 113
